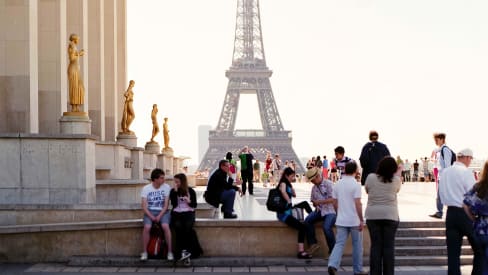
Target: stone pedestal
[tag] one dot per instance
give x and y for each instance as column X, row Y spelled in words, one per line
column 72, row 123
column 152, row 147
column 168, row 151
column 129, row 140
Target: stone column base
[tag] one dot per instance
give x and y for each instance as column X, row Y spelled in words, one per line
column 75, row 123
column 168, row 152
column 152, row 147
column 129, row 140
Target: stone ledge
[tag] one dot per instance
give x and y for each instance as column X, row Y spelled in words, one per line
column 48, row 136
column 131, row 206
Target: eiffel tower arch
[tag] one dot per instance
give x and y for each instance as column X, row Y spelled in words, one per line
column 249, row 74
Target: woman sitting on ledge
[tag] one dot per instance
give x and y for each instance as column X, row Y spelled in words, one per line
column 286, row 217
column 184, row 201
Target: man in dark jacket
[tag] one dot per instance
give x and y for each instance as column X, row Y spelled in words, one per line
column 371, row 154
column 221, row 189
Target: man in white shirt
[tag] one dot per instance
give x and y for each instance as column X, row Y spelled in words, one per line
column 347, row 202
column 457, row 180
column 445, row 161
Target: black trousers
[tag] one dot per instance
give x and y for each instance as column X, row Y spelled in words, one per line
column 459, row 225
column 303, row 229
column 382, row 251
column 247, row 177
column 183, row 222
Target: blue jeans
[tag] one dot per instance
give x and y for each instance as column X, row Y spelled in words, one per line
column 329, row 221
column 357, row 248
column 227, row 199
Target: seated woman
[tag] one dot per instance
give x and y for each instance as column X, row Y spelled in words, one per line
column 184, row 201
column 286, row 217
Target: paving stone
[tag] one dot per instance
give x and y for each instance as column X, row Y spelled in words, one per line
column 225, row 269
column 36, row 268
column 99, row 269
column 184, row 269
column 316, row 268
column 295, row 269
column 146, row 269
column 277, row 268
column 165, row 269
column 240, row 269
column 405, row 268
column 202, row 269
column 259, row 269
column 127, row 269
column 72, row 269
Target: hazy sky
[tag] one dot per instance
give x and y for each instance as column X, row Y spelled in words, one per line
column 340, row 69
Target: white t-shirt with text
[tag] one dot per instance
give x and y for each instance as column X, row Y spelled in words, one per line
column 155, row 197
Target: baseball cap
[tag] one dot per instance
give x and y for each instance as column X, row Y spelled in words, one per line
column 465, row 153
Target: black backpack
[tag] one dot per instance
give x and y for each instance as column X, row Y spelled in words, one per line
column 453, row 155
column 275, row 201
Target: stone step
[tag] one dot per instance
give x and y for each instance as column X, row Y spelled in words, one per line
column 428, row 250
column 420, row 232
column 421, row 224
column 122, row 261
column 424, row 241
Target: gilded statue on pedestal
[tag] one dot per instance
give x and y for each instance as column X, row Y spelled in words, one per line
column 166, row 133
column 76, row 88
column 155, row 129
column 128, row 112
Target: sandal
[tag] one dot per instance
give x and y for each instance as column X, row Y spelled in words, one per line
column 304, row 255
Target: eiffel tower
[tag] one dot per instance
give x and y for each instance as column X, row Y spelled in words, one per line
column 249, row 74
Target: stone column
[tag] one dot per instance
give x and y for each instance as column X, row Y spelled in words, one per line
column 16, row 52
column 33, row 69
column 111, row 70
column 96, row 67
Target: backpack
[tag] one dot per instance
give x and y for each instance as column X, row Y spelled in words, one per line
column 156, row 248
column 453, row 155
column 275, row 201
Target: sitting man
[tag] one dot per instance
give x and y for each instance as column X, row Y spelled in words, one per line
column 221, row 189
column 323, row 201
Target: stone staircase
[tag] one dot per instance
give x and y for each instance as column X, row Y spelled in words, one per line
column 424, row 243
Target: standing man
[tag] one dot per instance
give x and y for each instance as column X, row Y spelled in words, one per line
column 347, row 203
column 406, row 170
column 446, row 159
column 371, row 154
column 221, row 189
column 246, row 170
column 457, row 180
column 340, row 160
column 323, row 201
column 276, row 167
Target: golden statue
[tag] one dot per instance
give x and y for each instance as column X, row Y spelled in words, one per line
column 128, row 113
column 155, row 129
column 166, row 133
column 76, row 88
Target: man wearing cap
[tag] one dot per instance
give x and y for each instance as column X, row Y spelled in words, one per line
column 321, row 198
column 457, row 180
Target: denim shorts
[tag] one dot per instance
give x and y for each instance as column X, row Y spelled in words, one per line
column 165, row 219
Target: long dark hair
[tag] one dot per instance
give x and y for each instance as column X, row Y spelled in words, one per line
column 481, row 186
column 183, row 188
column 288, row 171
column 386, row 169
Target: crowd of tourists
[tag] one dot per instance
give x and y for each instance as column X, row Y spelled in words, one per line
column 336, row 197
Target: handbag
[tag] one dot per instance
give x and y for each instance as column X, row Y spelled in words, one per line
column 297, row 213
column 275, row 201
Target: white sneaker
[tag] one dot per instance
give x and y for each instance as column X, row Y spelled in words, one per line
column 185, row 255
column 144, row 256
column 170, row 256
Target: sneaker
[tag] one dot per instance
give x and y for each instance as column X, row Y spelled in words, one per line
column 144, row 256
column 170, row 256
column 332, row 270
column 185, row 255
column 314, row 247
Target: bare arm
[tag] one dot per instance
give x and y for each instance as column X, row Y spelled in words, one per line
column 359, row 211
column 283, row 192
column 165, row 208
column 146, row 210
column 468, row 212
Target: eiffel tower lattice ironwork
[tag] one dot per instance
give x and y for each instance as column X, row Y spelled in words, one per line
column 249, row 74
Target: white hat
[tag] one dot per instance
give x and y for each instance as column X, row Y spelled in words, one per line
column 465, row 153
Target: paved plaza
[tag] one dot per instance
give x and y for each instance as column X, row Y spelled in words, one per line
column 416, row 202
